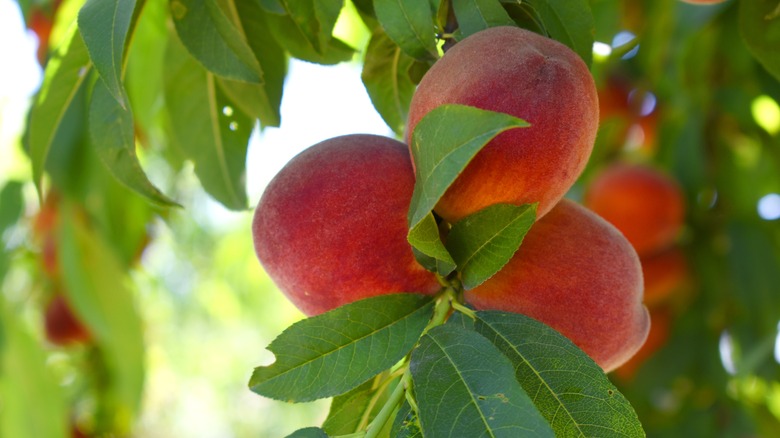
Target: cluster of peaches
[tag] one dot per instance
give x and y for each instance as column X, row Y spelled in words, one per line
column 331, row 227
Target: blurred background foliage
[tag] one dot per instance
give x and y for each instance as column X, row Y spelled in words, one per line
column 179, row 310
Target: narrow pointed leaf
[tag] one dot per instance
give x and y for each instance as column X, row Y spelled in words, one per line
column 315, row 358
column 465, row 387
column 476, row 15
column 410, row 24
column 111, row 129
column 104, row 26
column 483, row 242
column 569, row 389
column 209, row 134
column 759, row 24
column 65, row 72
column 347, row 410
column 213, row 39
column 294, row 40
column 386, row 78
column 568, row 21
column 443, row 143
column 430, row 251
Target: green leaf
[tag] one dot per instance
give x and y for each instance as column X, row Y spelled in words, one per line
column 347, row 410
column 96, row 286
column 476, row 15
column 483, row 242
column 315, row 358
column 63, row 77
column 410, row 24
column 28, row 388
column 568, row 388
column 465, row 387
column 13, row 205
column 568, row 21
column 431, row 252
column 386, row 78
column 104, row 25
column 406, row 423
column 208, row 128
column 443, row 143
column 294, row 40
column 111, row 130
column 759, row 24
column 260, row 101
column 213, row 39
column 309, row 432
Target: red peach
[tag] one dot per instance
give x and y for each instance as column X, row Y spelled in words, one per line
column 61, row 326
column 664, row 274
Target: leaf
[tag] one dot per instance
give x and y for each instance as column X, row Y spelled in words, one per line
column 570, row 22
column 63, row 77
column 443, row 143
column 406, row 423
column 425, row 239
column 386, row 78
column 113, row 136
column 483, row 242
column 347, row 410
column 759, row 24
column 209, row 129
column 96, row 287
column 292, row 38
column 13, row 205
column 476, row 15
column 213, row 39
column 260, row 101
column 410, row 24
column 309, row 432
column 104, row 25
column 568, row 388
column 315, row 358
column 28, row 387
column 465, row 387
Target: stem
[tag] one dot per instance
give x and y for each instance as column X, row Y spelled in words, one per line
column 381, row 418
column 382, row 388
column 621, row 50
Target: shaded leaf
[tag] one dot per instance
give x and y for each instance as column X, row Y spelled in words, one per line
column 440, row 153
column 315, row 357
column 476, row 15
column 214, row 138
column 347, row 410
column 568, row 21
column 759, row 24
column 290, row 36
column 213, row 39
column 386, row 78
column 309, row 432
column 410, row 24
column 104, row 26
column 62, row 79
column 430, row 251
column 406, row 423
column 112, row 133
column 483, row 242
column 466, row 387
column 13, row 205
column 567, row 387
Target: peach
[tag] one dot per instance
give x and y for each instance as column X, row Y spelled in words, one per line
column 61, row 326
column 665, row 274
column 576, row 273
column 515, row 71
column 331, row 227
column 644, row 204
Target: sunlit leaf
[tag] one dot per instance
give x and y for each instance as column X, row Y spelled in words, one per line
column 410, row 24
column 443, row 143
column 476, row 15
column 63, row 77
column 567, row 387
column 759, row 23
column 465, row 387
column 111, row 130
column 483, row 242
column 104, row 26
column 315, row 358
column 210, row 130
column 213, row 39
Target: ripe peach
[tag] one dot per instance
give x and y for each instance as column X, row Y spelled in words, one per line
column 331, row 227
column 576, row 273
column 644, row 204
column 518, row 72
column 657, row 338
column 665, row 274
column 61, row 326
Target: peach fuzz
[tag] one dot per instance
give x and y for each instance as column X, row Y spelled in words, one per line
column 331, row 227
column 644, row 204
column 515, row 71
column 576, row 273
